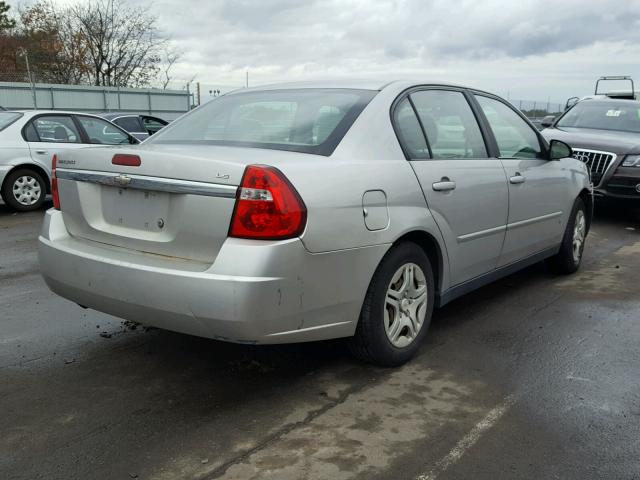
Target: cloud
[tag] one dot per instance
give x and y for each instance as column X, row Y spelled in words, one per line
column 461, row 40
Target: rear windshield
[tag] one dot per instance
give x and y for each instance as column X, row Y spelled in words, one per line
column 7, row 118
column 301, row 120
column 621, row 116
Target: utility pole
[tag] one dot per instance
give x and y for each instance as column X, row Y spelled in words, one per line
column 25, row 54
column 247, row 79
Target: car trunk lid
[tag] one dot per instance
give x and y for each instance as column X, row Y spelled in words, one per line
column 175, row 204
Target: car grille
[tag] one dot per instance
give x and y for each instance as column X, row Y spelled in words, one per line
column 597, row 161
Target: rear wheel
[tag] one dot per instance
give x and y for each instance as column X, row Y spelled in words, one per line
column 397, row 308
column 570, row 255
column 24, row 190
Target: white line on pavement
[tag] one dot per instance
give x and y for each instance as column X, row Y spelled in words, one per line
column 469, row 439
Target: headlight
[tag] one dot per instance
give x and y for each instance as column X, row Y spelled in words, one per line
column 631, row 161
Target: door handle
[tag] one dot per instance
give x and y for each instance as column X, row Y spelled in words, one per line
column 517, row 178
column 41, row 152
column 444, row 185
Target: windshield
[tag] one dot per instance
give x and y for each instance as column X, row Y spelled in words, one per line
column 300, row 120
column 621, row 116
column 7, row 118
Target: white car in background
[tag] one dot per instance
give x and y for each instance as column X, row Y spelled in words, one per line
column 28, row 141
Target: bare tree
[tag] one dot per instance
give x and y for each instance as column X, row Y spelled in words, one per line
column 56, row 48
column 124, row 45
column 171, row 56
column 101, row 42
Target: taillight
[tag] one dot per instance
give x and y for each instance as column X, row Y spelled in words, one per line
column 54, row 183
column 267, row 206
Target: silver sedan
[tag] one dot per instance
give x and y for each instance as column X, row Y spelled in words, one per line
column 303, row 212
column 28, row 141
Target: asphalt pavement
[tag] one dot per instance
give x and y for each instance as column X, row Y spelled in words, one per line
column 533, row 377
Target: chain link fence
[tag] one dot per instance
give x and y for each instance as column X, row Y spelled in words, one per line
column 536, row 109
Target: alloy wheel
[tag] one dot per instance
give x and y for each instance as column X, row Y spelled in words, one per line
column 579, row 232
column 405, row 305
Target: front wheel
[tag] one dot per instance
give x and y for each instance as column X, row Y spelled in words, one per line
column 569, row 257
column 24, row 190
column 397, row 308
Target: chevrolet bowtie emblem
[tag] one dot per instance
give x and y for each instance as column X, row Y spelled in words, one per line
column 122, row 180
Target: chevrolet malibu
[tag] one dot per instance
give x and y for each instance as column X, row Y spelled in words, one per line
column 303, row 212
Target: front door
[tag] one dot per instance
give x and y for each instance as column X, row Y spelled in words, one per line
column 538, row 188
column 465, row 190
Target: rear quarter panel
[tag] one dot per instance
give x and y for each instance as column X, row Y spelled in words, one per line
column 369, row 158
column 14, row 151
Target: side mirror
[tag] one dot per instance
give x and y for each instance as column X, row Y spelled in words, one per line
column 547, row 121
column 558, row 150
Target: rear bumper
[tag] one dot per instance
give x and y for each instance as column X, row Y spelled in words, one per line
column 256, row 292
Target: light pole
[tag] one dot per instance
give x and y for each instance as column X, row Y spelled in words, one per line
column 23, row 52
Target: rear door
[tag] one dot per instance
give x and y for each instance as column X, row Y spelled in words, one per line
column 49, row 134
column 537, row 186
column 465, row 189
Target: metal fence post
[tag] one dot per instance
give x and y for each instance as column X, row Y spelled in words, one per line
column 104, row 97
column 149, row 99
column 53, row 105
column 119, row 107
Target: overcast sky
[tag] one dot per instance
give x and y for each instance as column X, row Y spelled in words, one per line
column 524, row 49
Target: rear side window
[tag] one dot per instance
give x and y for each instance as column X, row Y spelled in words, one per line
column 7, row 118
column 300, row 120
column 54, row 128
column 409, row 131
column 450, row 125
column 515, row 137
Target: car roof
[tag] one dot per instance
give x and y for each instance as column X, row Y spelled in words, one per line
column 126, row 114
column 52, row 112
column 355, row 84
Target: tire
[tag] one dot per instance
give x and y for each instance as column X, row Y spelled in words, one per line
column 569, row 257
column 382, row 313
column 24, row 190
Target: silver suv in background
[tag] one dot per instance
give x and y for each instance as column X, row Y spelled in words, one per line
column 311, row 211
column 28, row 141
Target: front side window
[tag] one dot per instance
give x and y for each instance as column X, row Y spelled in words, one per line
column 621, row 115
column 102, row 132
column 53, row 128
column 451, row 127
column 130, row 124
column 409, row 131
column 515, row 137
column 301, row 120
column 152, row 125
